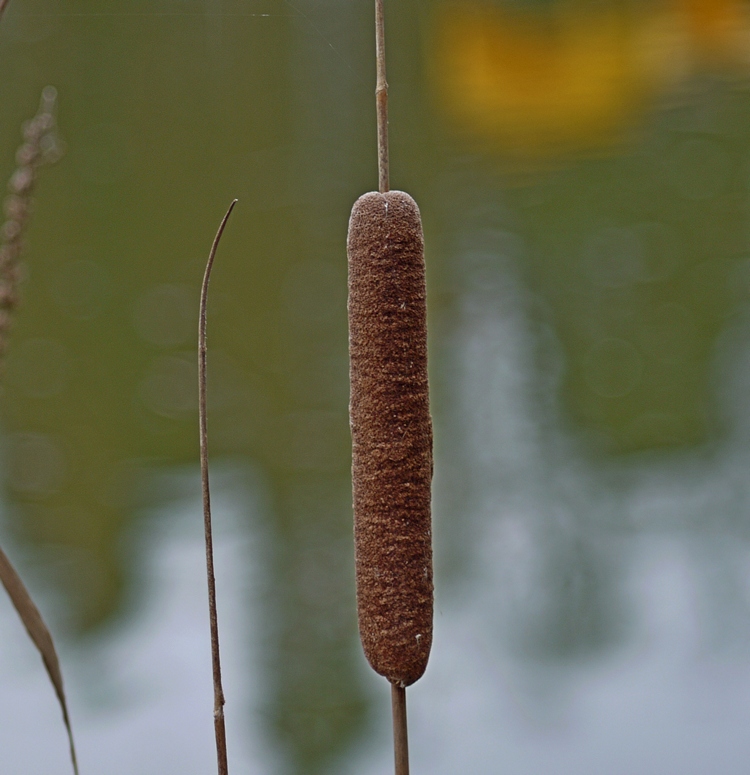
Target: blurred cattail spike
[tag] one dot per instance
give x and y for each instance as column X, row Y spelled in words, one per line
column 40, row 146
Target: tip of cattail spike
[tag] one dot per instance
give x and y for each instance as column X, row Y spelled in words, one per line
column 391, row 434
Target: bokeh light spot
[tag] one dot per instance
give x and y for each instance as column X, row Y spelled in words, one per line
column 166, row 315
column 613, row 258
column 79, row 288
column 39, row 367
column 36, row 464
column 170, row 388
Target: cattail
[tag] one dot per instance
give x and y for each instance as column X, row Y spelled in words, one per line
column 391, row 434
column 391, row 427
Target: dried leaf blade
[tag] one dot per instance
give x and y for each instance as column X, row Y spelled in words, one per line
column 40, row 636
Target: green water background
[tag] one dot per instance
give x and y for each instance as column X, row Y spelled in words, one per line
column 635, row 260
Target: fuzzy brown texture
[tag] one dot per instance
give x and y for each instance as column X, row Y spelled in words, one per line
column 391, row 434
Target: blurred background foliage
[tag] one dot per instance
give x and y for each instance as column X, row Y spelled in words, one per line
column 601, row 146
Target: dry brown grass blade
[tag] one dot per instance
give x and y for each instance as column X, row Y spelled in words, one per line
column 40, row 635
column 3, row 5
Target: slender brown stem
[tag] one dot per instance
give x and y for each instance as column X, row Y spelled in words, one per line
column 400, row 736
column 398, row 693
column 219, row 730
column 381, row 99
column 3, row 5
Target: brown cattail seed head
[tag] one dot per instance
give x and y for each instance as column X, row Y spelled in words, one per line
column 391, row 434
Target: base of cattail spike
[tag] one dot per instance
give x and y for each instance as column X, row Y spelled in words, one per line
column 400, row 735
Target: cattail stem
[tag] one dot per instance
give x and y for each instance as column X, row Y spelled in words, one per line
column 219, row 728
column 400, row 736
column 381, row 99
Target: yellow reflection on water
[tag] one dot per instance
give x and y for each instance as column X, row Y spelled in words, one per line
column 574, row 75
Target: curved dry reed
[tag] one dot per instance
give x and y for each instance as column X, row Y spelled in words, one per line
column 391, row 434
column 220, row 733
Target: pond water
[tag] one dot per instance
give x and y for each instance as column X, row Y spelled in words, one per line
column 583, row 171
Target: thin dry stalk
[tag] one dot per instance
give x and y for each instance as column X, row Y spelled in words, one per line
column 400, row 735
column 219, row 728
column 3, row 6
column 381, row 99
